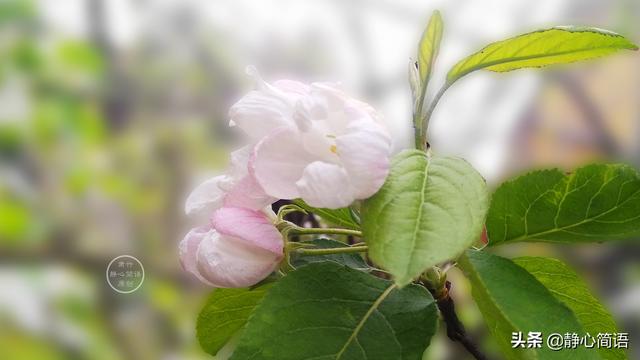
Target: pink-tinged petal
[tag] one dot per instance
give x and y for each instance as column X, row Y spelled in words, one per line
column 250, row 226
column 229, row 262
column 279, row 161
column 325, row 185
column 206, row 197
column 188, row 250
column 247, row 193
column 364, row 152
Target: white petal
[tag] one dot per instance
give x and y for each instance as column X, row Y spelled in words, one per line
column 308, row 109
column 206, row 197
column 362, row 109
column 279, row 87
column 228, row 262
column 242, row 188
column 279, row 161
column 319, row 141
column 364, row 152
column 343, row 109
column 239, row 161
column 268, row 107
column 291, row 87
column 325, row 185
column 258, row 113
column 331, row 92
column 335, row 120
column 238, row 168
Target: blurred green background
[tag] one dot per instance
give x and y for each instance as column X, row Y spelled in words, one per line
column 104, row 130
column 89, row 172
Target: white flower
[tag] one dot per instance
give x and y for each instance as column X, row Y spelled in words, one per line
column 313, row 142
column 307, row 141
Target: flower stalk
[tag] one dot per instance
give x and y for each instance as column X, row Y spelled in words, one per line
column 340, row 250
column 297, row 230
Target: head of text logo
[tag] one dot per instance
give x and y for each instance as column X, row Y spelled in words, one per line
column 558, row 341
column 125, row 274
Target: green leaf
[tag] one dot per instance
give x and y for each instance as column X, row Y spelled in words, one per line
column 512, row 300
column 343, row 217
column 428, row 48
column 429, row 210
column 541, row 48
column 330, row 311
column 567, row 287
column 351, row 260
column 596, row 203
column 225, row 314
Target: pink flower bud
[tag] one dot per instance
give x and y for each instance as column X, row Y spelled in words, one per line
column 241, row 248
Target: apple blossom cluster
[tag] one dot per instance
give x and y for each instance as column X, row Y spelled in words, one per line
column 304, row 141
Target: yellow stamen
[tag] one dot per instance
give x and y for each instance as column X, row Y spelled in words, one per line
column 334, row 149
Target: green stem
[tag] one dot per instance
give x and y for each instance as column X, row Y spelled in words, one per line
column 419, row 138
column 418, row 122
column 307, row 231
column 340, row 250
column 424, row 123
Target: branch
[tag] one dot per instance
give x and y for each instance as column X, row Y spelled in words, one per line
column 455, row 328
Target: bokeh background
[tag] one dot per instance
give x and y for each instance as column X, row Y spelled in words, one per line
column 111, row 110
